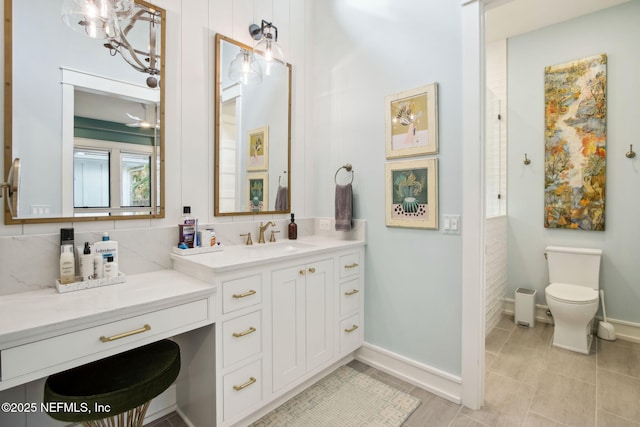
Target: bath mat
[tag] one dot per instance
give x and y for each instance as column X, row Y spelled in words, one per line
column 344, row 398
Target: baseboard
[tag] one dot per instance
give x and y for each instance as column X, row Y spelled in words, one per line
column 626, row 331
column 426, row 377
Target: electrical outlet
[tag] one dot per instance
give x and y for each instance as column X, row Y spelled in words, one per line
column 325, row 224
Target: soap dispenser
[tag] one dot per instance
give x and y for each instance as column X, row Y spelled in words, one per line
column 293, row 229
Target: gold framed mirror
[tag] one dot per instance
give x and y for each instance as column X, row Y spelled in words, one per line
column 83, row 115
column 252, row 137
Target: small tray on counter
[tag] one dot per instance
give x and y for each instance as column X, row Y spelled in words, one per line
column 88, row 284
column 200, row 250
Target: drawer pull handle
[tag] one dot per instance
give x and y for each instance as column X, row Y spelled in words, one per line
column 246, row 294
column 302, row 272
column 245, row 385
column 351, row 329
column 312, row 270
column 247, row 332
column 145, row 328
column 354, row 265
column 353, row 292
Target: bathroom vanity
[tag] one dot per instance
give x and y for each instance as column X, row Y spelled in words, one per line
column 288, row 313
column 43, row 332
column 255, row 324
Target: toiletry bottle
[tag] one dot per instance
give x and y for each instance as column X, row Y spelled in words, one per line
column 98, row 266
column 106, row 246
column 212, row 237
column 85, row 261
column 187, row 232
column 67, row 265
column 110, row 267
column 189, row 220
column 66, row 238
column 293, row 229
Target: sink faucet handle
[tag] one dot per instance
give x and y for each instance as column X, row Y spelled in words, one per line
column 249, row 241
column 273, row 236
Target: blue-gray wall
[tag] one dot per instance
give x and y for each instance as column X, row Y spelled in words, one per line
column 361, row 52
column 616, row 32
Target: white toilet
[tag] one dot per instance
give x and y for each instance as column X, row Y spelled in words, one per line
column 572, row 295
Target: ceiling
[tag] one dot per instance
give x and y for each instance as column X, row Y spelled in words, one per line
column 512, row 17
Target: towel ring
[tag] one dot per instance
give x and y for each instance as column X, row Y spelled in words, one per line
column 348, row 168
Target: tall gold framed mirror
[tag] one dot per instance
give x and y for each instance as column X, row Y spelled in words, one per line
column 252, row 135
column 84, row 115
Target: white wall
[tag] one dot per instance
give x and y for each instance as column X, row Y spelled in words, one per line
column 361, row 52
column 615, row 32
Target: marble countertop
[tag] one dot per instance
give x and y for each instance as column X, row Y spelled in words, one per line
column 28, row 316
column 239, row 256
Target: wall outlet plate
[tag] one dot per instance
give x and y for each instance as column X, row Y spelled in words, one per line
column 325, row 224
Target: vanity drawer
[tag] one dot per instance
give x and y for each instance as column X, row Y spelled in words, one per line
column 43, row 354
column 350, row 265
column 350, row 334
column 241, row 293
column 242, row 389
column 242, row 338
column 349, row 297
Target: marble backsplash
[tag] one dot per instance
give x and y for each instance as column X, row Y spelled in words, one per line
column 31, row 262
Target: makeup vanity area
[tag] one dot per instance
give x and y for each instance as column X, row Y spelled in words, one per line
column 43, row 332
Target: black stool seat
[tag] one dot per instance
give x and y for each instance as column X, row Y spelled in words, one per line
column 114, row 385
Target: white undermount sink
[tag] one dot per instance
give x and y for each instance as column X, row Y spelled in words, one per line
column 277, row 248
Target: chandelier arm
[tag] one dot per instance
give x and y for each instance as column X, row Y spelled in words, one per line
column 125, row 43
column 152, row 45
column 139, row 16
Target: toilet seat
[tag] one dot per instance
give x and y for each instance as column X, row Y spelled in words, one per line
column 571, row 294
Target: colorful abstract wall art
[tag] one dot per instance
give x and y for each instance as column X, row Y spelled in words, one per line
column 412, row 194
column 575, row 144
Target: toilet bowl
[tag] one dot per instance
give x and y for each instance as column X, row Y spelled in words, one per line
column 572, row 295
column 573, row 308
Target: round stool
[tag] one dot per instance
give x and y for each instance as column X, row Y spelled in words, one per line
column 115, row 391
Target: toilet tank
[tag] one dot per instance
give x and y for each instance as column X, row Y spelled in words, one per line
column 574, row 266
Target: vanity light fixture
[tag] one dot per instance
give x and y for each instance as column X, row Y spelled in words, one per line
column 245, row 69
column 268, row 46
column 113, row 20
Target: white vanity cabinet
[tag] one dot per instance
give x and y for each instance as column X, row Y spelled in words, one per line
column 240, row 343
column 351, row 302
column 282, row 319
column 302, row 319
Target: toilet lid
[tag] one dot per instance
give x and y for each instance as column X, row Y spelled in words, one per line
column 571, row 293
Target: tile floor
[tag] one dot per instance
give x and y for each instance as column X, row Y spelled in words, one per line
column 530, row 383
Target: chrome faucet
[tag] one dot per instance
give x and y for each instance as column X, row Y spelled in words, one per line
column 263, row 228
